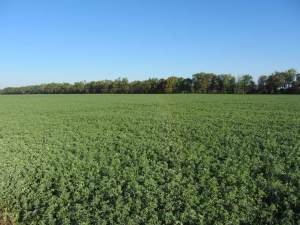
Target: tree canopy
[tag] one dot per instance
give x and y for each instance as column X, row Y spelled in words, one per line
column 284, row 82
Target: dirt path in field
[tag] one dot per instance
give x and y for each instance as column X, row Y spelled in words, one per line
column 4, row 220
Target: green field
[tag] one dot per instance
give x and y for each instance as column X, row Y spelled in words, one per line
column 150, row 159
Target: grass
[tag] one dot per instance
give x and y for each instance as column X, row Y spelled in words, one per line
column 150, row 159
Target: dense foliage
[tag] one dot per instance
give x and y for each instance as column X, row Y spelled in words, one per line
column 150, row 159
column 278, row 82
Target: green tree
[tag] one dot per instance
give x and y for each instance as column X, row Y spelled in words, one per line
column 170, row 85
column 79, row 87
column 245, row 84
column 275, row 82
column 202, row 82
column 262, row 84
column 184, row 85
column 296, row 84
column 226, row 83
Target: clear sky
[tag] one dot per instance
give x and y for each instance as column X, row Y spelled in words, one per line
column 71, row 40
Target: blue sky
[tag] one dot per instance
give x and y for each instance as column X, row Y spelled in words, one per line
column 71, row 40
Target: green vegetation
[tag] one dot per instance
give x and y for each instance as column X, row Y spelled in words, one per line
column 150, row 159
column 286, row 82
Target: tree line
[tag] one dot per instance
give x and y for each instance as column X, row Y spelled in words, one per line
column 285, row 82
